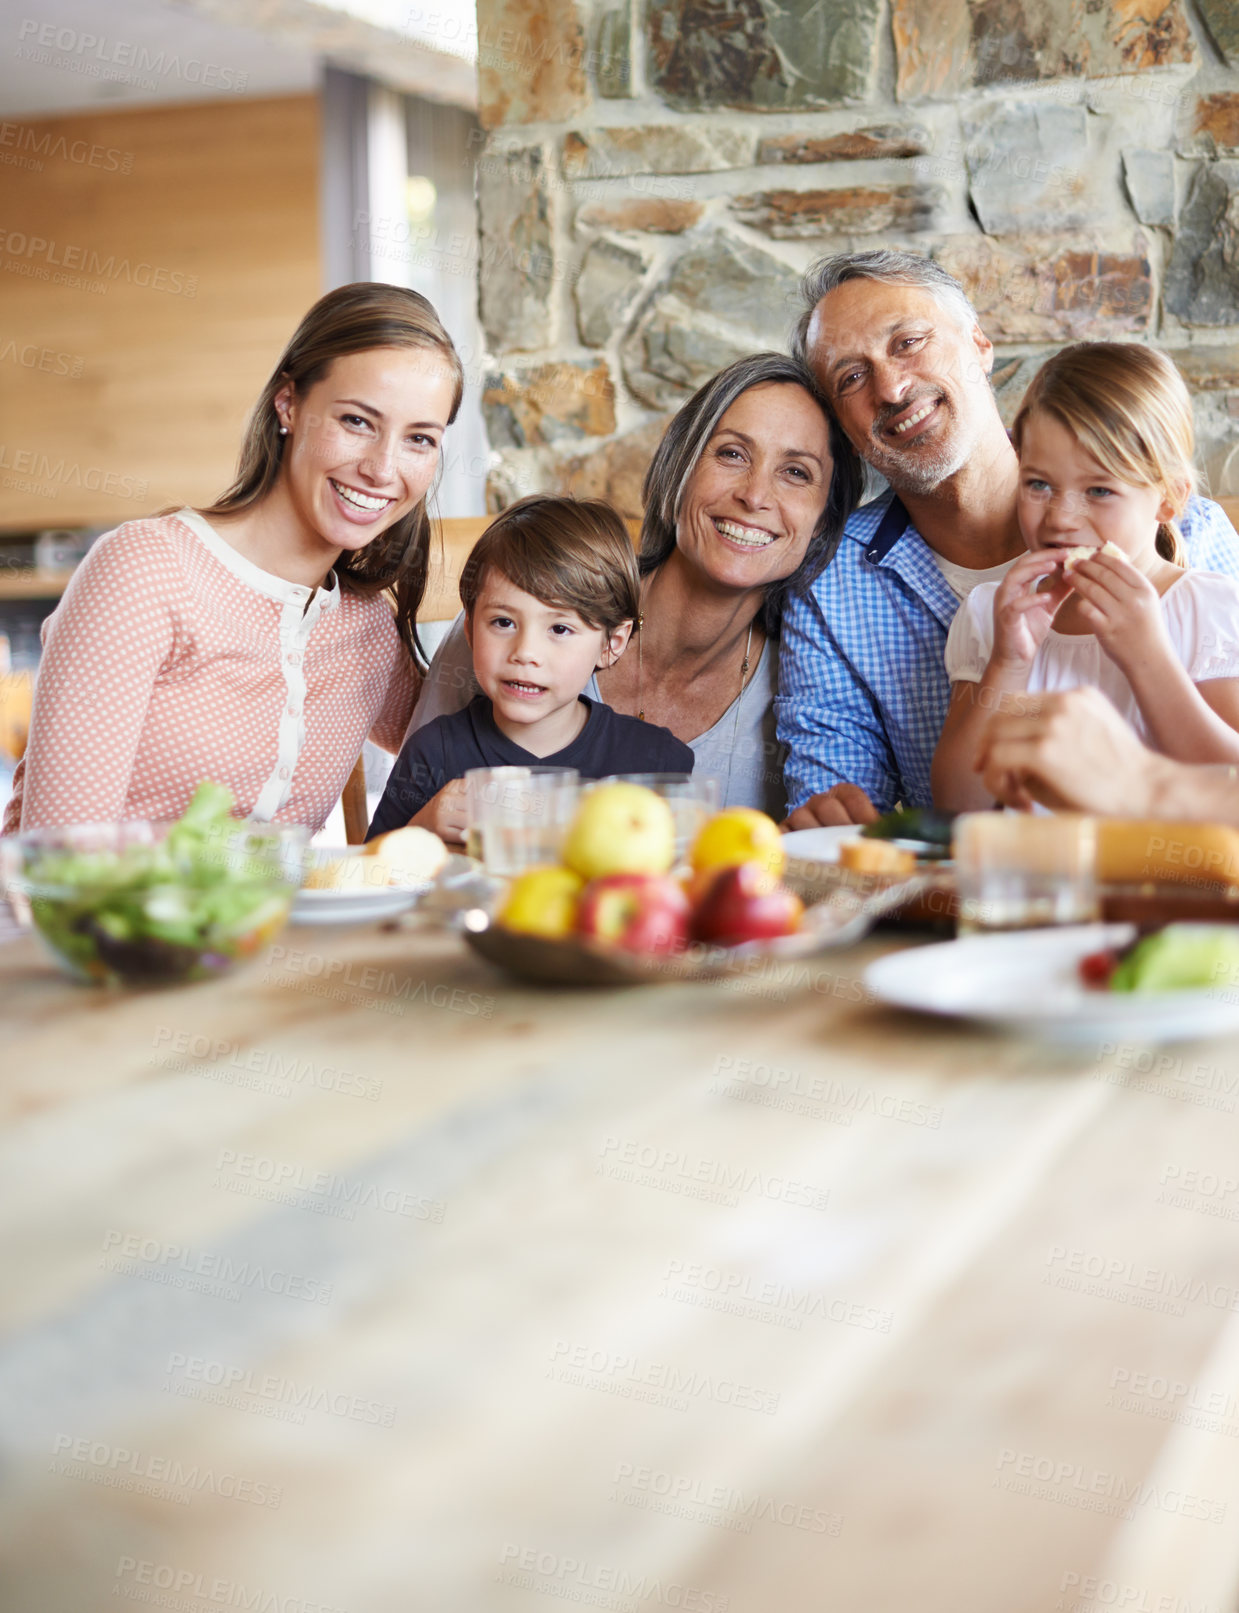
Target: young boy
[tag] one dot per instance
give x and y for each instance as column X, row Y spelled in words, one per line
column 550, row 594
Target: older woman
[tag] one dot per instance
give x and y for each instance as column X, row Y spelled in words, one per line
column 251, row 642
column 745, row 500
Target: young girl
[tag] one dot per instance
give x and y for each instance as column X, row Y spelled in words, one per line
column 1104, row 436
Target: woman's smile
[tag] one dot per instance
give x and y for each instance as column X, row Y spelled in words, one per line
column 377, row 418
column 359, row 506
column 750, row 537
column 761, row 483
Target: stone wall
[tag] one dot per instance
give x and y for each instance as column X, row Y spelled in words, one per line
column 655, row 176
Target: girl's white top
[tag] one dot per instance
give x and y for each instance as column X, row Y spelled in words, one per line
column 749, row 771
column 1201, row 611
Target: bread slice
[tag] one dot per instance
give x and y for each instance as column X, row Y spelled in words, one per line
column 1085, row 551
column 404, row 857
column 410, row 855
column 876, row 857
column 1133, row 851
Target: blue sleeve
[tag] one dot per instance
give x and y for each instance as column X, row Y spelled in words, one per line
column 1211, row 541
column 827, row 718
column 417, row 777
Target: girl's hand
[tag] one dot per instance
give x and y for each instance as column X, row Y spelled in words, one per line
column 444, row 813
column 1022, row 616
column 1121, row 606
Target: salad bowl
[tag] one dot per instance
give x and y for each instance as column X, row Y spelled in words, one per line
column 147, row 903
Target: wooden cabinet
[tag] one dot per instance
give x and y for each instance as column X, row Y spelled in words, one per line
column 153, row 262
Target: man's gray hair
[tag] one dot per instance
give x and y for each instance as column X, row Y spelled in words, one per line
column 896, row 268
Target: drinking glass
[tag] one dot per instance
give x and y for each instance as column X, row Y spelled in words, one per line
column 516, row 817
column 1021, row 871
column 692, row 797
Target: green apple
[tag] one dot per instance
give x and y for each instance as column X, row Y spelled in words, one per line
column 620, row 829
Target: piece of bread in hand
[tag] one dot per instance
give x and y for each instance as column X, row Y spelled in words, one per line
column 1087, row 551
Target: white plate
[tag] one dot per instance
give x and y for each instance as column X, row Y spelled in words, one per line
column 353, row 907
column 1028, row 981
column 820, row 845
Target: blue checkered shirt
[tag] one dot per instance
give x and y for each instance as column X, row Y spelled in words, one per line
column 863, row 689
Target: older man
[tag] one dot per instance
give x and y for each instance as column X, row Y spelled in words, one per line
column 863, row 691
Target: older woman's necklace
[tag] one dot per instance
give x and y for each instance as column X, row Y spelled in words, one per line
column 744, row 669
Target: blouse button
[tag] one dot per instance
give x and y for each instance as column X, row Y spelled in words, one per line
column 283, row 772
column 294, row 660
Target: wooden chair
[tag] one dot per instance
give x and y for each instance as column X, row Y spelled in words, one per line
column 16, row 695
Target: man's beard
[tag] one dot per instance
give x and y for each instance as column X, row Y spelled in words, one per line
column 918, row 468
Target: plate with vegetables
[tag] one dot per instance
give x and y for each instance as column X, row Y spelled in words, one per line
column 1084, row 984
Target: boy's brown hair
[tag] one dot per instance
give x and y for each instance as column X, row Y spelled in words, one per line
column 572, row 553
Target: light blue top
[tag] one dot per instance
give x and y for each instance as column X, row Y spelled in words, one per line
column 863, row 687
column 741, row 751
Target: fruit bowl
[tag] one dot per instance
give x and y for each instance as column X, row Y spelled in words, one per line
column 140, row 904
column 627, row 904
column 838, row 919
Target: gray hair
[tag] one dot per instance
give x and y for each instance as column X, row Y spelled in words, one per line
column 684, row 441
column 895, row 268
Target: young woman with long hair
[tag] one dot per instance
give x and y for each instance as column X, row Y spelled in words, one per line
column 259, row 641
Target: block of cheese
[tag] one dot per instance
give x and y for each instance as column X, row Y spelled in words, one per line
column 1133, row 851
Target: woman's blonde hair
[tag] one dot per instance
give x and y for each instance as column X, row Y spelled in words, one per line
column 351, row 319
column 1129, row 408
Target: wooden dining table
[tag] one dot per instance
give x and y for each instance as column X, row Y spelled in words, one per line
column 370, row 1279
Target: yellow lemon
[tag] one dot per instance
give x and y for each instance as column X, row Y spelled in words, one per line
column 542, row 901
column 739, row 835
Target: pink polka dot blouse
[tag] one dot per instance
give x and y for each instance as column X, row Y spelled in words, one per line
column 172, row 659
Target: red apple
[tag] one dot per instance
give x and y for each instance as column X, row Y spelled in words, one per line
column 640, row 912
column 745, row 903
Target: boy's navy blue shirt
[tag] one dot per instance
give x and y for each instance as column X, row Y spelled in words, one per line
column 448, row 747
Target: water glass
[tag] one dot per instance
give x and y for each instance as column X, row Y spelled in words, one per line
column 516, row 817
column 1021, row 871
column 692, row 797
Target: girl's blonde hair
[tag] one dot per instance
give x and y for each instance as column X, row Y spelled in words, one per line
column 352, row 319
column 1129, row 408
